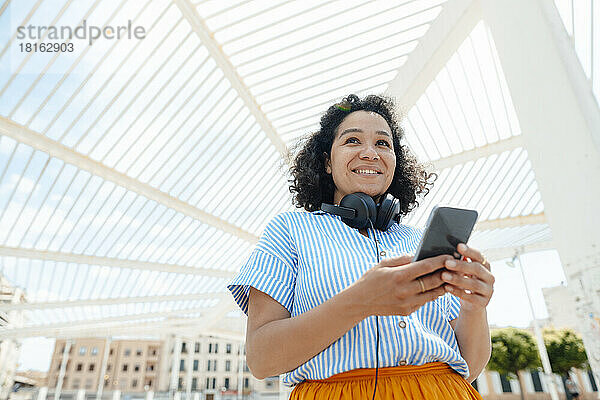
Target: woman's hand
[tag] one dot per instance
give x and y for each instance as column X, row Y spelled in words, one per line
column 396, row 286
column 471, row 281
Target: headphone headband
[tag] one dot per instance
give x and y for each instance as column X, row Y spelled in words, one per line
column 343, row 212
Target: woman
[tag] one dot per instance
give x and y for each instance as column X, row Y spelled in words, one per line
column 325, row 312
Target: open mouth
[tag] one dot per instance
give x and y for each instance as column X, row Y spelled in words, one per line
column 366, row 172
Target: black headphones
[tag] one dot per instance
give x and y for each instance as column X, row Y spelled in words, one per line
column 358, row 210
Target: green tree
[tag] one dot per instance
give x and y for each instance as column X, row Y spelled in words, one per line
column 513, row 350
column 565, row 351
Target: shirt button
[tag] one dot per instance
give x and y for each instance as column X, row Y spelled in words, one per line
column 402, row 362
column 382, row 253
column 402, row 324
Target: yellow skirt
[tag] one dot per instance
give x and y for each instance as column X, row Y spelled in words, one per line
column 433, row 381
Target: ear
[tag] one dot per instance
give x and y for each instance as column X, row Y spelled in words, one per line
column 327, row 163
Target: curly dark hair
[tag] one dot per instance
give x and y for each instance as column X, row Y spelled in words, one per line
column 311, row 185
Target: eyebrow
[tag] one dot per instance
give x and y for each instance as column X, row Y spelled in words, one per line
column 350, row 130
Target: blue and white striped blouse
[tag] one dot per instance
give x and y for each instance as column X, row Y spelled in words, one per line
column 302, row 259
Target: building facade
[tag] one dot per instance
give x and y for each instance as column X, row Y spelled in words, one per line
column 9, row 348
column 493, row 386
column 131, row 365
column 209, row 367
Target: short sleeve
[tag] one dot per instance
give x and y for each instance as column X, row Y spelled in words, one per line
column 452, row 308
column 271, row 268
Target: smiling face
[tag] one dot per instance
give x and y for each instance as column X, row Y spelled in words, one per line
column 362, row 156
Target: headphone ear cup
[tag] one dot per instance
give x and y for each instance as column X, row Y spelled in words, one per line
column 365, row 209
column 387, row 211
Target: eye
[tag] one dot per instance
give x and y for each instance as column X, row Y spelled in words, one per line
column 351, row 140
column 384, row 143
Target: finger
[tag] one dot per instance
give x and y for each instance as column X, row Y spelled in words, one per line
column 396, row 261
column 465, row 282
column 470, row 268
column 472, row 253
column 473, row 298
column 426, row 266
column 430, row 281
column 429, row 295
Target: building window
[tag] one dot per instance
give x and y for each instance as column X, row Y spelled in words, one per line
column 195, row 365
column 79, row 367
column 180, row 384
column 82, row 351
column 228, row 348
column 91, row 367
column 153, row 352
column 213, row 348
column 110, row 352
column 150, row 367
column 246, row 383
column 127, row 352
column 194, row 383
column 226, row 383
column 197, row 347
column 183, row 348
column 182, row 365
column 214, row 383
column 537, row 383
column 94, row 351
column 506, row 388
column 124, row 367
column 208, row 383
column 134, row 383
column 212, row 365
column 227, row 365
column 138, row 352
column 269, row 384
column 108, row 367
column 136, row 368
column 76, row 383
column 149, row 383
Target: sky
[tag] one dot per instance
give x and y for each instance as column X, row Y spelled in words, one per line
column 508, row 307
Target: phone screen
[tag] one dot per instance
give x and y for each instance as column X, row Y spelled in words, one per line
column 446, row 228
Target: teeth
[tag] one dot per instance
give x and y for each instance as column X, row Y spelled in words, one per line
column 366, row 171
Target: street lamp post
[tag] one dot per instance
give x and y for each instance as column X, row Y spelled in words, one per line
column 537, row 331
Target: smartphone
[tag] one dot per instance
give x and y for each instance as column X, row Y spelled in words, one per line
column 446, row 227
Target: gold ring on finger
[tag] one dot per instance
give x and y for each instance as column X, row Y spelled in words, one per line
column 422, row 285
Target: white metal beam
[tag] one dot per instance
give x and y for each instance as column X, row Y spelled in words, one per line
column 56, row 329
column 507, row 252
column 560, row 121
column 511, row 222
column 5, row 307
column 452, row 26
column 110, row 262
column 215, row 50
column 179, row 326
column 68, row 155
column 498, row 147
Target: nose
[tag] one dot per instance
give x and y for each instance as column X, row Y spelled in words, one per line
column 369, row 153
